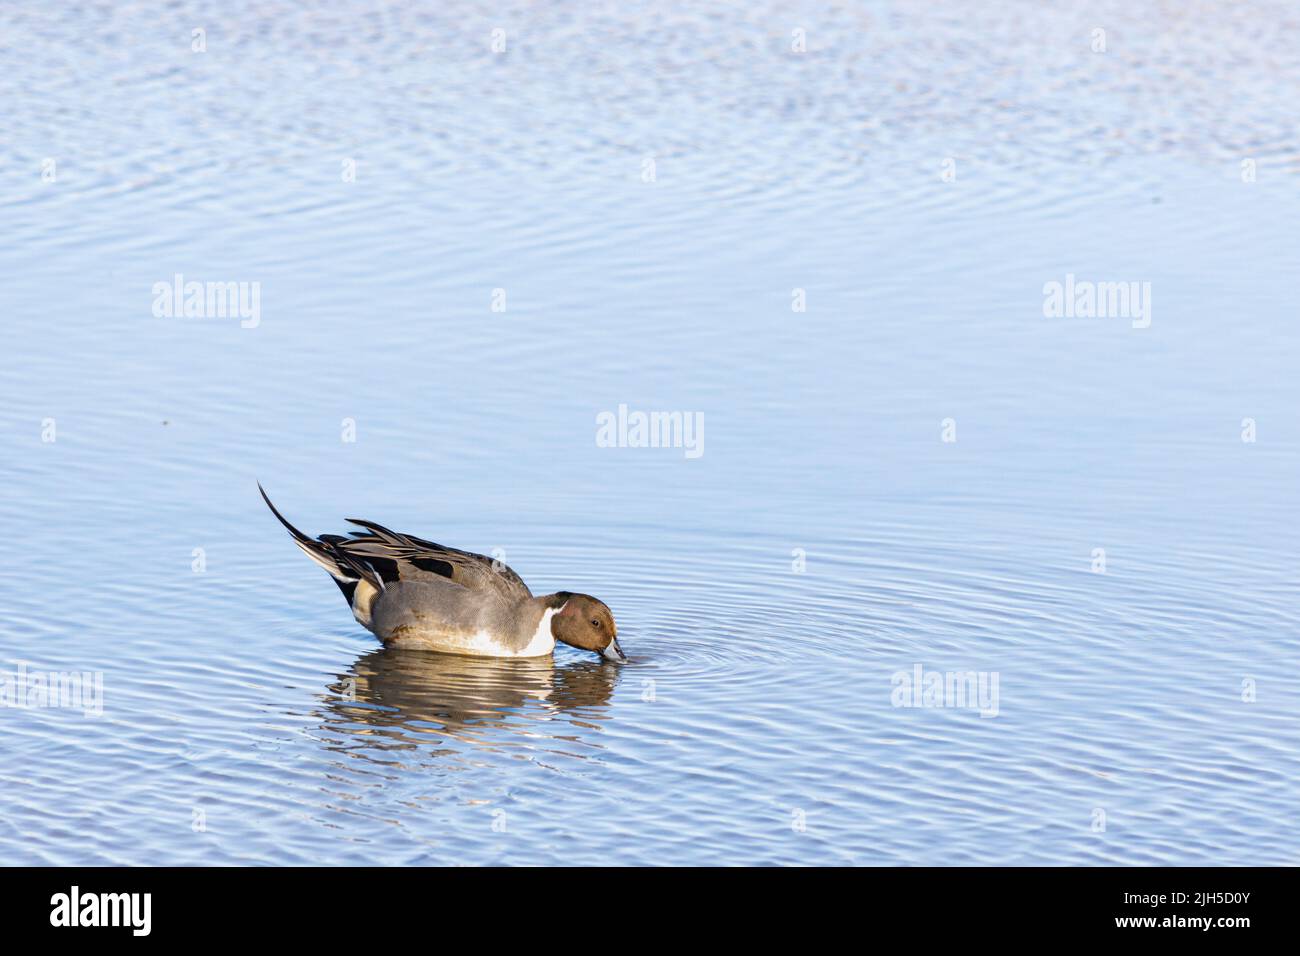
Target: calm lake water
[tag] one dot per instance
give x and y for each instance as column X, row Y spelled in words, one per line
column 837, row 257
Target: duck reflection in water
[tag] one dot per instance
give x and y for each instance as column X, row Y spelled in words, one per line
column 408, row 696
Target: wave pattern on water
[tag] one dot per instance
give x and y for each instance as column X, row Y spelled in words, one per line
column 769, row 593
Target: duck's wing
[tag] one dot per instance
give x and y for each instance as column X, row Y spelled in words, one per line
column 403, row 557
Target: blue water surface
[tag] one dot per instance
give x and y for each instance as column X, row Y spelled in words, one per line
column 473, row 229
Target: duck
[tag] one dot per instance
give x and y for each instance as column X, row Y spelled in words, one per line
column 412, row 593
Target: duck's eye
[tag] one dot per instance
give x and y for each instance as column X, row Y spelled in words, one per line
column 595, row 622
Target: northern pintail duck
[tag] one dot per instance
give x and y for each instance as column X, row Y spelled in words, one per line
column 410, row 592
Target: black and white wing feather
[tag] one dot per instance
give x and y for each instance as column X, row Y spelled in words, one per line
column 403, row 557
column 380, row 557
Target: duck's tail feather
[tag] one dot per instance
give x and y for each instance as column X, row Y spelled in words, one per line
column 346, row 570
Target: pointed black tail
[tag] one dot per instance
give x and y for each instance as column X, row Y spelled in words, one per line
column 342, row 567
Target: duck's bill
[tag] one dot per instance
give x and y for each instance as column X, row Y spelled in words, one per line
column 614, row 653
